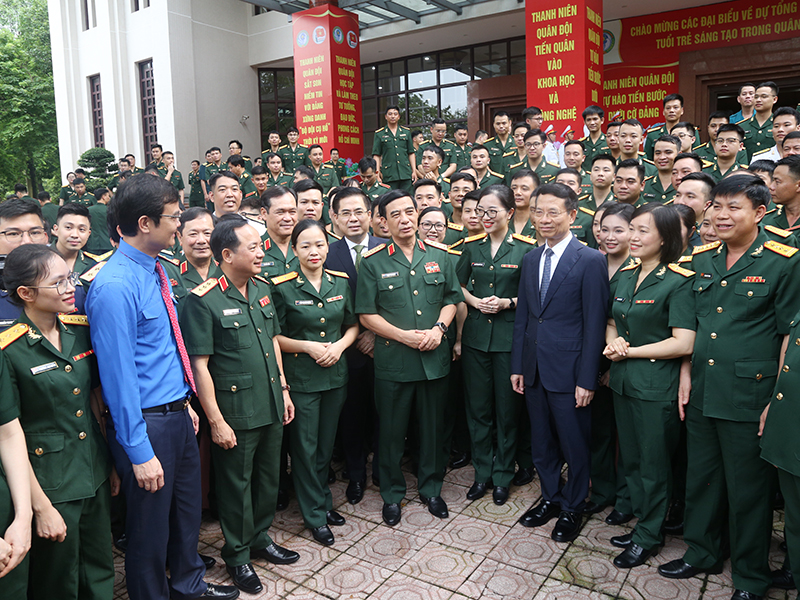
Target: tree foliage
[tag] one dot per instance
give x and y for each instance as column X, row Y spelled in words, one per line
column 96, row 163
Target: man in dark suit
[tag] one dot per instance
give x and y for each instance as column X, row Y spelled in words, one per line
column 351, row 212
column 559, row 334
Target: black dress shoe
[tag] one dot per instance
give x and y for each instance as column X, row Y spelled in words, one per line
column 208, row 561
column 567, row 527
column 477, row 491
column 391, row 514
column 617, row 518
column 783, row 579
column 121, row 543
column 622, row 541
column 592, row 508
column 523, row 476
column 680, row 569
column 275, row 554
column 331, row 475
column 355, row 491
column 334, row 518
column 283, row 500
column 540, row 514
column 323, row 535
column 500, row 495
column 436, row 506
column 245, row 578
column 459, row 460
column 633, row 556
column 742, row 595
column 220, row 592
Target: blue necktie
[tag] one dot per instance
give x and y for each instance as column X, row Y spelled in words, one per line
column 548, row 253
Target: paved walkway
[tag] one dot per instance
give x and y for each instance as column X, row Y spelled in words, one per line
column 479, row 552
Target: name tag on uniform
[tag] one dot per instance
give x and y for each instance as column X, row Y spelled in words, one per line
column 619, row 299
column 645, row 302
column 268, row 264
column 387, row 275
column 510, row 266
column 478, row 264
column 432, row 267
column 228, row 312
column 706, row 275
column 44, row 368
column 303, row 302
column 333, row 298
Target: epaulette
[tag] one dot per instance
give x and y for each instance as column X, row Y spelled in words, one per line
column 388, row 187
column 447, row 181
column 495, row 174
column 105, row 256
column 491, row 139
column 762, row 151
column 557, row 166
column 425, row 142
column 261, row 279
column 685, row 259
column 584, row 197
column 473, row 238
column 516, row 165
column 438, row 245
column 700, row 145
column 92, row 273
column 778, row 231
column 648, row 161
column 94, row 257
column 588, row 211
column 583, row 139
column 742, row 121
column 282, row 147
column 64, row 186
column 523, row 238
column 246, row 157
column 458, row 243
column 184, row 267
column 676, row 268
column 338, row 273
column 781, row 249
column 286, row 277
column 743, row 166
column 205, row 287
column 381, row 129
column 327, row 167
column 333, row 235
column 707, row 163
column 646, row 179
column 631, row 265
column 454, row 252
column 375, row 250
column 509, row 153
column 655, row 127
column 174, row 261
column 769, row 212
column 705, row 247
column 455, row 226
column 74, row 319
column 12, row 334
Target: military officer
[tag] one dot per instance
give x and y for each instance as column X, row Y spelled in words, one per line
column 374, row 189
column 157, row 152
column 523, row 184
column 311, row 204
column 431, row 158
column 519, row 153
column 274, row 144
column 595, row 143
column 652, row 312
column 339, row 164
column 658, row 187
column 67, row 191
column 460, row 184
column 279, row 212
column 173, row 175
column 407, row 294
column 630, row 137
column 393, row 150
column 758, row 129
column 325, row 175
column 293, row 154
column 211, row 168
column 479, row 157
column 448, row 148
column 602, row 178
column 574, row 158
column 746, row 288
column 275, row 175
column 81, row 196
column 132, row 164
column 535, row 140
column 56, row 388
column 785, row 190
column 727, row 146
column 462, row 146
column 194, row 236
column 629, row 178
column 488, row 271
column 237, row 166
column 230, row 327
column 502, row 142
column 195, row 189
column 673, row 111
column 315, row 309
column 235, row 149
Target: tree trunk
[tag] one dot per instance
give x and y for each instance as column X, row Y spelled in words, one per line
column 33, row 184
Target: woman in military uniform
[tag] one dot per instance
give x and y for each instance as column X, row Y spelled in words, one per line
column 315, row 308
column 489, row 271
column 652, row 328
column 55, row 384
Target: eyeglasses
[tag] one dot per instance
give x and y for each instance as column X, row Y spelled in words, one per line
column 427, row 226
column 37, row 234
column 729, row 141
column 346, row 214
column 491, row 212
column 553, row 214
column 61, row 285
column 533, row 145
column 176, row 217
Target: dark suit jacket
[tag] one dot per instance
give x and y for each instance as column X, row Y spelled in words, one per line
column 563, row 338
column 339, row 259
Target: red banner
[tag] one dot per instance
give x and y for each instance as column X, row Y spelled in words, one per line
column 565, row 58
column 327, row 72
column 649, row 48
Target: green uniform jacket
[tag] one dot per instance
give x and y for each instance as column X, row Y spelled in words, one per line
column 394, row 150
column 236, row 333
column 756, row 137
column 50, row 212
column 9, row 410
column 317, row 316
column 649, row 167
column 462, row 155
column 327, row 178
column 491, row 178
column 52, row 390
column 715, row 172
column 283, row 179
column 491, row 276
column 448, row 147
column 497, row 150
column 87, row 199
column 707, row 153
column 195, row 190
column 211, row 170
column 545, row 170
column 294, row 158
column 647, row 315
column 99, row 241
column 247, row 186
column 176, row 179
column 66, row 193
column 274, row 262
column 581, row 227
column 376, row 191
column 592, row 149
column 590, row 202
column 162, row 168
column 340, row 167
column 742, row 314
column 654, row 191
column 409, row 296
column 650, row 139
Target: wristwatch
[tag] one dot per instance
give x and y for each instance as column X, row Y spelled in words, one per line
column 441, row 326
column 286, row 388
column 511, row 303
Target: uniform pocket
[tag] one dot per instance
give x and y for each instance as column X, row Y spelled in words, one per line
column 44, row 452
column 702, row 296
column 434, row 287
column 391, row 293
column 756, row 380
column 752, row 300
column 235, row 332
column 235, row 394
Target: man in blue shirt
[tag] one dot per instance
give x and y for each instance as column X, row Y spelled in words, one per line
column 151, row 429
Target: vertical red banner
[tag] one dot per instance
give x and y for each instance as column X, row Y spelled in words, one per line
column 327, row 74
column 564, row 44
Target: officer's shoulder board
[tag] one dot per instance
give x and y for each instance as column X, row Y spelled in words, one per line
column 742, row 121
column 90, row 274
column 778, row 231
column 705, row 247
column 456, row 244
column 700, row 145
column 496, row 174
column 491, row 139
column 205, row 287
column 454, row 252
column 74, row 319
column 685, row 259
column 474, row 238
column 13, row 334
column 584, row 197
column 588, row 211
column 707, row 163
column 261, row 279
column 338, row 273
column 655, row 127
column 762, row 151
column 381, row 129
column 676, row 268
column 438, row 245
column 522, row 238
column 512, row 153
column 94, row 257
column 646, row 179
column 375, row 250
column 519, row 164
column 327, row 166
column 455, row 226
column 283, row 278
column 388, row 187
column 781, row 249
column 556, row 165
column 169, row 259
column 648, row 161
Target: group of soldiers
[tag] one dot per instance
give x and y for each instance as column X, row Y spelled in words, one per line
column 312, row 301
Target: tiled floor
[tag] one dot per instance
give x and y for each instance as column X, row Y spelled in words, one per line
column 479, row 552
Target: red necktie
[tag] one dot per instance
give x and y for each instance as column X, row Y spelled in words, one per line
column 173, row 320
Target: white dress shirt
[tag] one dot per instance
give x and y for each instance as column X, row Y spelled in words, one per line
column 352, row 247
column 558, row 251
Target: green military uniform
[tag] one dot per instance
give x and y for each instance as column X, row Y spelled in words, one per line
column 756, row 137
column 264, row 156
column 52, row 390
column 592, row 149
column 137, row 170
column 211, row 170
column 650, row 139
column 742, row 314
column 283, row 179
column 86, row 199
column 715, row 172
column 546, row 171
column 777, row 223
column 490, row 178
column 409, row 295
column 376, row 191
column 492, row 405
column 590, row 202
column 327, row 178
column 646, row 390
column 528, row 230
column 160, row 166
column 236, row 333
column 444, row 183
column 497, row 150
column 248, row 164
column 50, row 212
column 294, row 158
column 448, row 147
column 176, row 179
column 455, row 232
column 512, row 158
column 83, row 262
column 649, row 168
column 318, row 392
column 340, row 167
column 274, row 262
column 247, row 186
column 65, row 194
column 394, row 150
column 581, row 227
column 195, row 190
column 462, row 155
column 707, row 153
column 654, row 191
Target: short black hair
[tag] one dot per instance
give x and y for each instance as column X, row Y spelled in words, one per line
column 213, row 148
column 744, row 85
column 634, row 122
column 460, row 127
column 259, row 170
column 751, row 186
column 391, row 196
column 771, row 85
column 221, row 175
column 793, row 163
column 459, row 176
column 435, row 149
column 620, row 209
column 576, row 143
column 237, row 142
column 307, row 171
column 391, row 107
column 792, row 135
column 631, row 163
column 121, row 160
column 192, row 213
column 559, row 190
column 502, row 193
column 142, row 196
column 348, row 192
column 427, row 182
column 501, row 113
column 26, row 265
column 670, row 139
column 78, row 180
column 367, row 163
column 522, row 173
column 704, row 178
column 305, row 224
column 719, row 114
column 224, row 236
column 151, row 168
column 569, row 171
column 787, row 110
column 604, row 156
column 531, row 111
column 235, row 160
column 683, row 125
column 536, row 133
column 668, row 224
column 98, row 193
column 438, row 121
column 731, row 127
column 762, row 166
column 691, row 155
column 44, row 196
column 20, row 187
column 613, row 124
column 686, row 213
column 18, row 207
column 671, row 97
column 592, row 110
column 520, row 125
column 478, row 147
column 313, row 147
column 72, row 209
column 154, row 146
column 292, row 129
column 273, row 192
column 305, row 185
